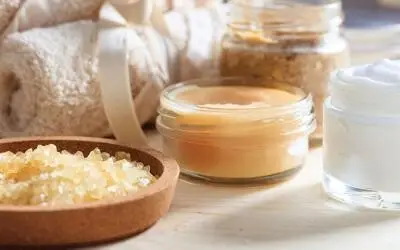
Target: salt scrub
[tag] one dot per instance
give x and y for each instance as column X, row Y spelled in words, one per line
column 44, row 176
column 362, row 135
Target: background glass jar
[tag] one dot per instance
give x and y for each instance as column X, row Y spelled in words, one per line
column 224, row 141
column 288, row 41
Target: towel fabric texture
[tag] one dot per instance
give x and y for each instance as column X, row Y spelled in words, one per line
column 48, row 85
column 48, row 76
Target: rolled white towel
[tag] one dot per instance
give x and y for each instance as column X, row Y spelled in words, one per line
column 48, row 84
column 49, row 80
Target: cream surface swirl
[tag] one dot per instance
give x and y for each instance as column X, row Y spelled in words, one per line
column 372, row 89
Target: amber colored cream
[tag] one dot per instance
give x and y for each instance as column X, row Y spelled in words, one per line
column 234, row 131
column 237, row 95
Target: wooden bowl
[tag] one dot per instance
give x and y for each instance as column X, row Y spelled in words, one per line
column 89, row 223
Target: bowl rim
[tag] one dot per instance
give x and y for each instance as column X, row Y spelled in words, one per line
column 168, row 178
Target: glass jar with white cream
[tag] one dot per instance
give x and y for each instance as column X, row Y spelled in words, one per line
column 236, row 130
column 362, row 136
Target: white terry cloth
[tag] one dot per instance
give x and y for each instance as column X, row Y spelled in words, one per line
column 48, row 85
column 49, row 80
column 45, row 13
column 8, row 8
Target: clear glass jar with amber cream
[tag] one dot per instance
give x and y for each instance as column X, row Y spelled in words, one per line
column 236, row 130
column 297, row 42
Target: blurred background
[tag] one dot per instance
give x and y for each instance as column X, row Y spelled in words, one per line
column 382, row 21
column 372, row 28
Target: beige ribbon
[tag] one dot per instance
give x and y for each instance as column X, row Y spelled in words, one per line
column 115, row 36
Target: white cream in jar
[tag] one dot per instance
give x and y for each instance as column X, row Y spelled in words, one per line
column 362, row 135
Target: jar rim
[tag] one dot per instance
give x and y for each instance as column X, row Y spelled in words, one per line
column 298, row 116
column 167, row 96
column 323, row 16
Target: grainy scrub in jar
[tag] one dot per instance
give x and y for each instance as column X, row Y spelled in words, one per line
column 46, row 177
column 286, row 41
column 362, row 135
column 236, row 130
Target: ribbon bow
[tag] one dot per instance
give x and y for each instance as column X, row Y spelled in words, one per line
column 115, row 41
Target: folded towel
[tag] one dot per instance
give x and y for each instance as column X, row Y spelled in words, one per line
column 49, row 80
column 8, row 8
column 44, row 13
column 48, row 85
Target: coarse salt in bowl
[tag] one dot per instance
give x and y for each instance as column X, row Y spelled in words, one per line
column 91, row 222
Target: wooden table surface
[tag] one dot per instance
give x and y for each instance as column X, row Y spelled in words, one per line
column 295, row 215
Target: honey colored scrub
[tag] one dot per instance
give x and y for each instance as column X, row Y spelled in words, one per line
column 235, row 129
column 45, row 177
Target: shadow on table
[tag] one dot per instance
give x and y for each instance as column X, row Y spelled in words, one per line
column 199, row 194
column 307, row 212
column 195, row 194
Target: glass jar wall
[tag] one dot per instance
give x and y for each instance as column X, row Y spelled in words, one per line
column 236, row 130
column 286, row 41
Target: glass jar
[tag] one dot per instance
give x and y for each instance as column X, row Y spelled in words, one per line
column 362, row 136
column 236, row 130
column 287, row 41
